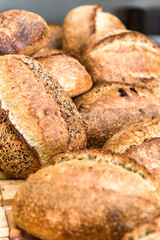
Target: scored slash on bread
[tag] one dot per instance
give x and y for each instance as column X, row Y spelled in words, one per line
column 91, row 195
column 38, row 111
column 109, row 107
column 82, row 22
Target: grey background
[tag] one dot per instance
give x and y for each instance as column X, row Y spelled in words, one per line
column 54, row 11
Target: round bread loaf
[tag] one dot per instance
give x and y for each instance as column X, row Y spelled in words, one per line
column 84, row 199
column 22, row 32
column 123, row 56
column 71, row 75
column 140, row 142
column 148, row 231
column 82, row 22
column 38, row 119
column 45, row 52
column 109, row 107
column 56, row 33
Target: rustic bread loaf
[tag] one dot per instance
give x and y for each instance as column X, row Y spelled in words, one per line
column 109, row 107
column 83, row 199
column 22, row 32
column 71, row 75
column 123, row 56
column 140, row 142
column 45, row 51
column 148, row 231
column 82, row 22
column 38, row 118
column 56, row 33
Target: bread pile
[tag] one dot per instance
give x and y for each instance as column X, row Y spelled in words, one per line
column 88, row 84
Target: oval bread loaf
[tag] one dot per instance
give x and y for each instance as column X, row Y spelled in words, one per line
column 71, row 75
column 140, row 142
column 22, row 32
column 109, row 107
column 82, row 22
column 39, row 119
column 83, row 199
column 123, row 56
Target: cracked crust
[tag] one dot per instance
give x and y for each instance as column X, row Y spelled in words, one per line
column 140, row 142
column 122, row 56
column 86, row 207
column 38, row 108
column 82, row 22
column 22, row 32
column 71, row 75
column 109, row 107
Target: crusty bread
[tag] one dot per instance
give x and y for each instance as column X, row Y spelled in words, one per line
column 22, row 32
column 123, row 56
column 42, row 116
column 109, row 107
column 140, row 142
column 83, row 199
column 148, row 231
column 82, row 22
column 71, row 75
column 56, row 33
column 45, row 51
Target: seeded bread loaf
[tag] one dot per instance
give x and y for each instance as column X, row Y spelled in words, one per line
column 82, row 22
column 71, row 75
column 83, row 199
column 22, row 32
column 123, row 56
column 55, row 40
column 140, row 142
column 109, row 107
column 38, row 118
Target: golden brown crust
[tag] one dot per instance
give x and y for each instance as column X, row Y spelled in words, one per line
column 38, row 107
column 109, row 107
column 22, row 32
column 140, row 142
column 123, row 56
column 45, row 52
column 56, row 33
column 82, row 22
column 78, row 200
column 71, row 75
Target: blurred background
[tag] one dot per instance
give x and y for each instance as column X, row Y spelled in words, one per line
column 140, row 15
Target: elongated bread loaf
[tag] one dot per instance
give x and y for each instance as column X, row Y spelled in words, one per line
column 86, row 199
column 39, row 119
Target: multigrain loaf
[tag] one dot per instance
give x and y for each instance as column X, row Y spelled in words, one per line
column 84, row 199
column 39, row 119
column 71, row 75
column 56, row 33
column 45, row 51
column 109, row 107
column 123, row 56
column 22, row 32
column 148, row 231
column 140, row 142
column 82, row 22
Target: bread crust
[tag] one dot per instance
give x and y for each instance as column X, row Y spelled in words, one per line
column 122, row 56
column 140, row 142
column 56, row 33
column 38, row 108
column 22, row 32
column 45, row 52
column 82, row 22
column 71, row 75
column 85, row 208
column 109, row 107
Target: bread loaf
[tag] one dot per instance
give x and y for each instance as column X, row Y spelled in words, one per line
column 82, row 22
column 109, row 107
column 56, row 33
column 22, row 32
column 38, row 118
column 71, row 75
column 84, row 199
column 140, row 142
column 148, row 231
column 123, row 56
